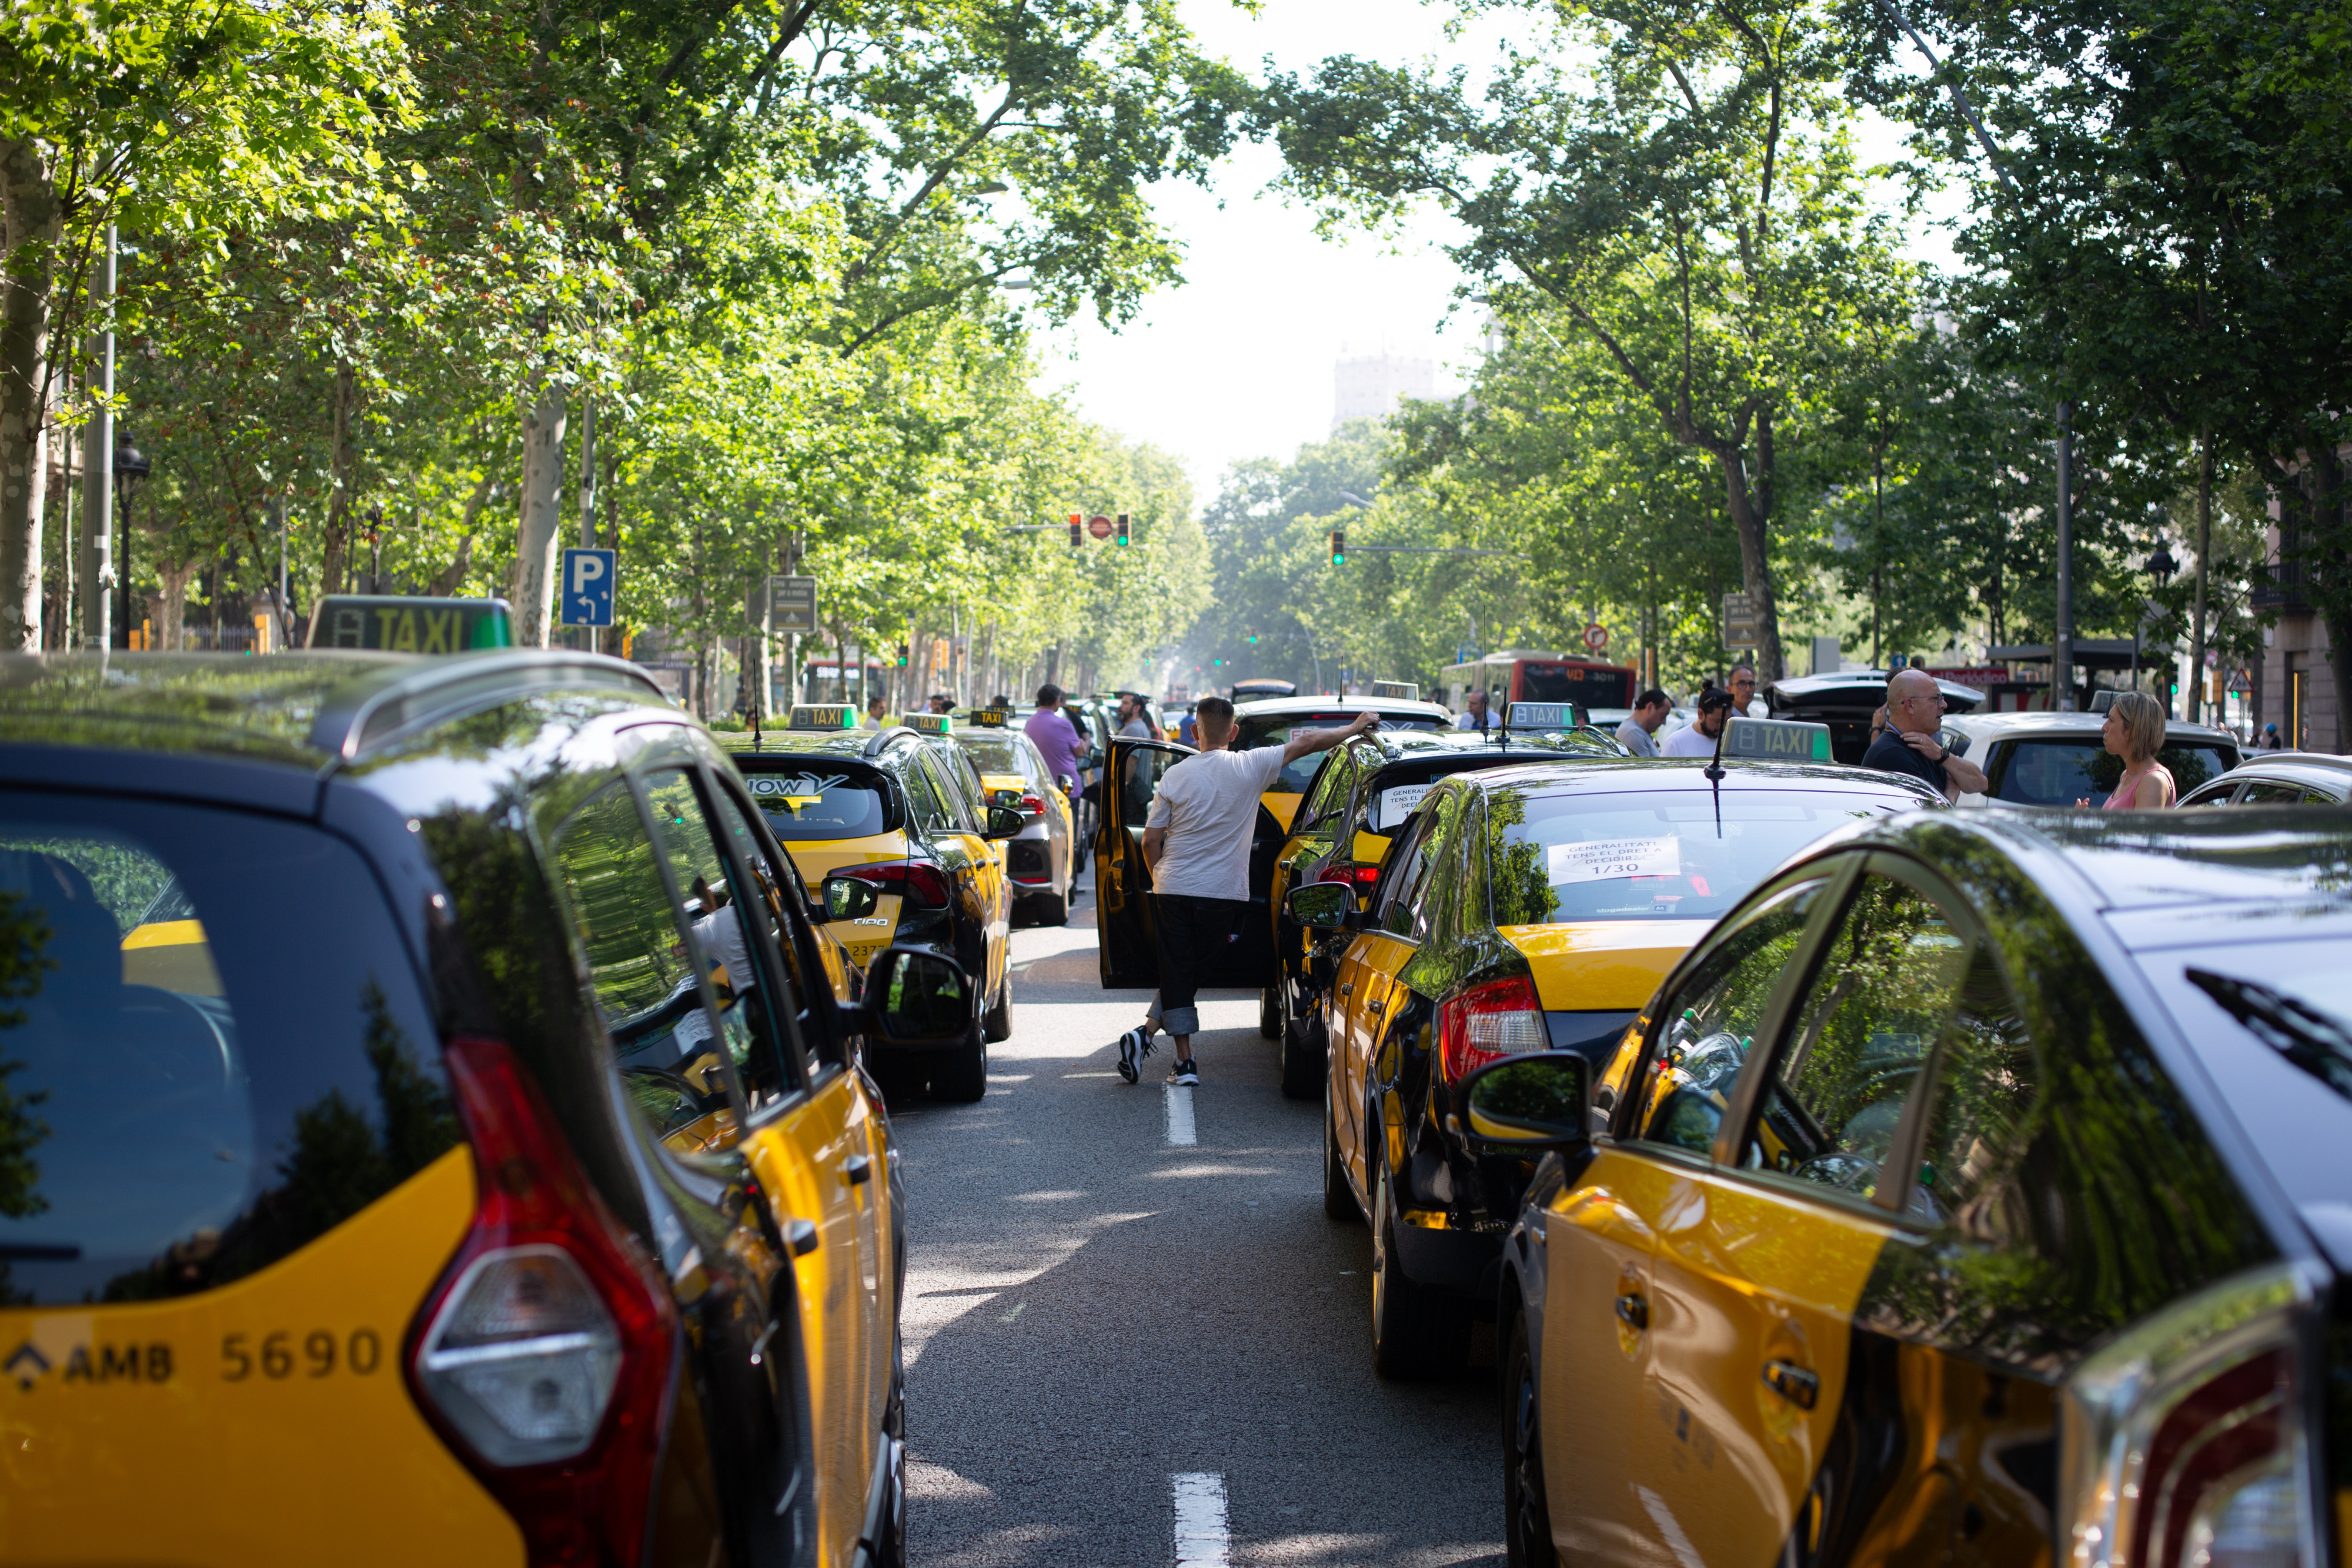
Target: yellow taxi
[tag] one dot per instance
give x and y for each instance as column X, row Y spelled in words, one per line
column 901, row 810
column 1972, row 1195
column 427, row 1134
column 1522, row 909
column 1271, row 721
column 1041, row 861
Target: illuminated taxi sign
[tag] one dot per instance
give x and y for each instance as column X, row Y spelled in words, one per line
column 405, row 625
column 928, row 723
column 1776, row 740
column 1398, row 691
column 1543, row 715
column 823, row 716
column 992, row 717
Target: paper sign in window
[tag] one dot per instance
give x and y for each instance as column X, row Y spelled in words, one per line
column 1397, row 803
column 1605, row 860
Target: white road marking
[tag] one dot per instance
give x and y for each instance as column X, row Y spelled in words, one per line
column 1015, row 1313
column 1200, row 1538
column 1181, row 1130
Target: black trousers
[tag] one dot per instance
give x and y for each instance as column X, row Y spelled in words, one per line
column 1194, row 934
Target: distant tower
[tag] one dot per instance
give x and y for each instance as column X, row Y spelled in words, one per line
column 1370, row 388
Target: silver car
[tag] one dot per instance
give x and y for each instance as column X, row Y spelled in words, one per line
column 1039, row 860
column 2059, row 758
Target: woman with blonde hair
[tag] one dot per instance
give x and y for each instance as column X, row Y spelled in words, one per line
column 2134, row 732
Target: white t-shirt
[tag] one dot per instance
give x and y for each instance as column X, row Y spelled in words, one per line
column 1688, row 741
column 1208, row 803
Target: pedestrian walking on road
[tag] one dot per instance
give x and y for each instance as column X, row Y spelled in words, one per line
column 1474, row 715
column 1915, row 712
column 1650, row 711
column 2134, row 732
column 1056, row 738
column 1701, row 737
column 1196, row 842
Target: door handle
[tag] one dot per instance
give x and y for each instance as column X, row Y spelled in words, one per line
column 858, row 1169
column 1792, row 1382
column 1634, row 1311
column 800, row 1236
column 1348, row 987
column 1377, row 1005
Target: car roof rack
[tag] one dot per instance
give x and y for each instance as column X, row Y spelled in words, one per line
column 371, row 710
column 884, row 739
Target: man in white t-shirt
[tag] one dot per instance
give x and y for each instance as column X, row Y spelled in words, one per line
column 1196, row 841
column 1700, row 740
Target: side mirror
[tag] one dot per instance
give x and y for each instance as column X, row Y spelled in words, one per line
column 1004, row 822
column 849, row 898
column 1322, row 905
column 1528, row 1104
column 917, row 998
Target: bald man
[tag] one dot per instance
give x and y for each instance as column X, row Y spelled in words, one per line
column 1915, row 712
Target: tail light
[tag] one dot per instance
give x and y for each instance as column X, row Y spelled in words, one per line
column 1486, row 1023
column 1033, row 804
column 922, row 885
column 546, row 1354
column 2188, row 1440
column 1356, row 873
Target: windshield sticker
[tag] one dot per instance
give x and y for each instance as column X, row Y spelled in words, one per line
column 1397, row 803
column 797, row 787
column 1605, row 860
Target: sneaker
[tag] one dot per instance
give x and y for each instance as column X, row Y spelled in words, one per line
column 1184, row 1073
column 1133, row 1046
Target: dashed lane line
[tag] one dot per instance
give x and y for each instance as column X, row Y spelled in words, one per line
column 1200, row 1538
column 1182, row 1133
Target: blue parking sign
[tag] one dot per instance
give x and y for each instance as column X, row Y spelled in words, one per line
column 588, row 587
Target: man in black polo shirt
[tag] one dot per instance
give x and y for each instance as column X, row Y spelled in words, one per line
column 1915, row 712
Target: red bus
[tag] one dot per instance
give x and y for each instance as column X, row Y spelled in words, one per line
column 1534, row 675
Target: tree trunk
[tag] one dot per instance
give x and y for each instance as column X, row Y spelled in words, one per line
column 333, row 559
column 32, row 223
column 1755, row 566
column 174, row 579
column 2204, row 549
column 542, row 512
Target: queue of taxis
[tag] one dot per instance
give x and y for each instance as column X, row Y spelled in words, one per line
column 428, row 1132
column 1974, row 1194
column 1363, row 792
column 1526, row 908
column 902, row 811
column 1041, row 861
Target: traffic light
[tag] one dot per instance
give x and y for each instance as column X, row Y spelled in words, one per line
column 902, row 656
column 1216, row 663
column 1339, row 547
column 1253, row 639
column 1122, row 530
column 1077, row 530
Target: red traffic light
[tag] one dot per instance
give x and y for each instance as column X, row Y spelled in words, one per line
column 1077, row 530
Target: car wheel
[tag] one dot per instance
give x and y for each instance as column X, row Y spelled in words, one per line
column 1339, row 1201
column 1269, row 1013
column 1527, row 1513
column 1415, row 1332
column 1049, row 909
column 998, row 1023
column 1301, row 1056
column 890, row 1551
column 964, row 1075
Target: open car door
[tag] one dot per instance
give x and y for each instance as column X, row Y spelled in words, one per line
column 1127, row 939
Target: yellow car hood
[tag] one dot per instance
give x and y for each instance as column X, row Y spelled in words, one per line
column 1602, row 965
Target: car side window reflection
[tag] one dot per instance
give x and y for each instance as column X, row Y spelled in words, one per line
column 1398, row 910
column 1888, row 983
column 1987, row 1092
column 1714, row 1017
column 781, row 937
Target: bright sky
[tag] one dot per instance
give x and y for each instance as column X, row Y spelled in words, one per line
column 1237, row 361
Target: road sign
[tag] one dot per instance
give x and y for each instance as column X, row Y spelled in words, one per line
column 1099, row 526
column 588, row 587
column 1596, row 636
column 791, row 604
column 1742, row 627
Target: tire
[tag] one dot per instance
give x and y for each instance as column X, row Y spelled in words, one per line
column 890, row 1551
column 996, row 1024
column 1302, row 1057
column 1526, row 1511
column 1415, row 1332
column 963, row 1077
column 1048, row 908
column 1269, row 1013
column 1339, row 1200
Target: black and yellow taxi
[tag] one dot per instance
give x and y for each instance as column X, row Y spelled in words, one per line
column 1974, row 1194
column 1524, row 909
column 1041, row 861
column 1271, row 721
column 426, row 1132
column 1364, row 791
column 901, row 810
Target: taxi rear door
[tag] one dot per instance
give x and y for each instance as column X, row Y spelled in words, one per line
column 1367, row 993
column 1128, row 954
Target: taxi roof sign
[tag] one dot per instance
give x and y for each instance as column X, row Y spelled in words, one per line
column 1543, row 715
column 406, row 624
column 1776, row 740
column 992, row 717
column 823, row 716
column 1407, row 691
column 927, row 722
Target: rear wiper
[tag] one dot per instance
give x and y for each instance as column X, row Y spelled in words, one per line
column 2297, row 1031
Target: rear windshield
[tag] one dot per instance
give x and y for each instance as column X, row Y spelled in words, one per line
column 1568, row 683
column 2060, row 772
column 213, row 1047
column 1636, row 857
column 1253, row 733
column 993, row 753
column 825, row 802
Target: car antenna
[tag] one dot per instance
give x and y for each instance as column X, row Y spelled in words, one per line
column 1714, row 771
column 1503, row 741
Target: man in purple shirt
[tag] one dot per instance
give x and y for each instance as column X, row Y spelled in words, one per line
column 1056, row 738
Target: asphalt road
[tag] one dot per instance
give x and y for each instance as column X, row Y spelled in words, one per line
column 1123, row 1351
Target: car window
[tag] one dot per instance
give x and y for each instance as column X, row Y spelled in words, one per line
column 1986, row 1089
column 2270, row 792
column 1253, row 733
column 761, row 1039
column 213, row 1047
column 645, row 969
column 1888, row 981
column 2061, row 770
column 924, row 799
column 790, row 940
column 1712, row 1019
column 1332, row 787
column 1144, row 766
column 822, row 801
column 1410, row 865
column 959, row 788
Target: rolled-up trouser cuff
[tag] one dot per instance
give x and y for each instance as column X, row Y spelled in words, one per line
column 1176, row 1021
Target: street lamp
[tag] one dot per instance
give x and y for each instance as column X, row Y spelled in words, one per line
column 2159, row 568
column 131, row 470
